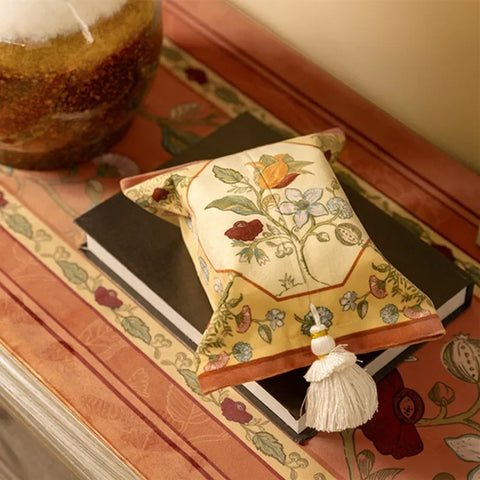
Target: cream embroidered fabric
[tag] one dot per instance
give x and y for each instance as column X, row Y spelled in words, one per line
column 269, row 231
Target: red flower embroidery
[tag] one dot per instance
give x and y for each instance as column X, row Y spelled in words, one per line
column 244, row 319
column 245, row 231
column 377, row 287
column 159, row 194
column 107, row 298
column 216, row 362
column 392, row 429
column 196, row 75
column 3, row 202
column 235, row 411
column 415, row 312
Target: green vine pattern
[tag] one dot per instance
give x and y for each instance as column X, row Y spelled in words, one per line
column 254, row 427
column 226, row 320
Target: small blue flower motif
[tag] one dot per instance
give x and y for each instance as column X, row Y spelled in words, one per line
column 189, row 223
column 217, row 285
column 389, row 313
column 348, row 301
column 276, row 318
column 340, row 205
column 242, row 351
column 326, row 317
column 204, row 268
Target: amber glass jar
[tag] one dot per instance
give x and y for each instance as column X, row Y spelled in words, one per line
column 69, row 85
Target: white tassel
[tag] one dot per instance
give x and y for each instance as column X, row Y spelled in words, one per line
column 341, row 394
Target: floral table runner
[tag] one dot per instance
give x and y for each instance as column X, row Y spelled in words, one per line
column 126, row 377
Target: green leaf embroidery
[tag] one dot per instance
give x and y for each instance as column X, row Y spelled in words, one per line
column 474, row 272
column 383, row 267
column 136, row 328
column 176, row 141
column 191, row 380
column 73, row 272
column 171, row 54
column 323, row 237
column 233, row 302
column 227, row 95
column 235, row 203
column 176, row 180
column 385, row 474
column 18, row 223
column 362, row 309
column 466, row 447
column 269, row 445
column 365, row 461
column 94, row 190
column 246, row 254
column 260, row 256
column 295, row 166
column 227, row 175
column 265, row 333
column 267, row 160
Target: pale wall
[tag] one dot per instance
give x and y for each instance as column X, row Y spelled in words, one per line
column 418, row 60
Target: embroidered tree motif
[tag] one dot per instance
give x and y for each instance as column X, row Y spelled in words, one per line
column 286, row 217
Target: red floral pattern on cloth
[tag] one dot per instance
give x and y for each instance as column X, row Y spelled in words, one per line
column 235, row 411
column 244, row 319
column 108, row 298
column 377, row 287
column 416, row 312
column 217, row 361
column 159, row 194
column 392, row 429
column 246, row 231
column 196, row 75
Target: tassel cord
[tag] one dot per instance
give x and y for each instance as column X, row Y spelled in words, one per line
column 341, row 394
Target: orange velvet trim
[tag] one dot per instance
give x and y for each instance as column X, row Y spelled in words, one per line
column 421, row 329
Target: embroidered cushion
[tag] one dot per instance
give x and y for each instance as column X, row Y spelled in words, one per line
column 270, row 231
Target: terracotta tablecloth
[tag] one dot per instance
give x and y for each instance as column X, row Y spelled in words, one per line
column 126, row 377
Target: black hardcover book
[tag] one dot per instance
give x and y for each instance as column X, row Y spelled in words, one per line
column 128, row 260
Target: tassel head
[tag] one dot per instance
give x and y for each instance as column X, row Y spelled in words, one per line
column 341, row 394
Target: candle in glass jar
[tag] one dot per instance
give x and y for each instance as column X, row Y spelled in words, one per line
column 71, row 74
